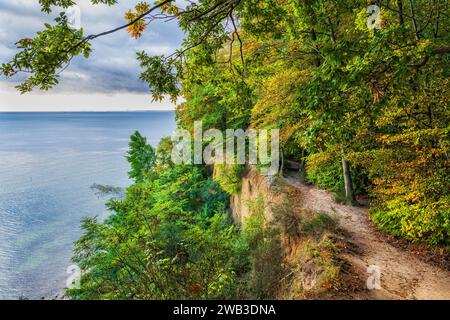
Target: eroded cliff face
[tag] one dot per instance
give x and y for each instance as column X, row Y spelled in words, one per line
column 308, row 244
column 254, row 185
column 326, row 247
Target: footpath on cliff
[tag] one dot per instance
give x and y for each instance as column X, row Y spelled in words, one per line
column 403, row 274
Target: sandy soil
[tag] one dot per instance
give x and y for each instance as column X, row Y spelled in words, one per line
column 403, row 275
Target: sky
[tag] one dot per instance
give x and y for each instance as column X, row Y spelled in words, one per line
column 107, row 81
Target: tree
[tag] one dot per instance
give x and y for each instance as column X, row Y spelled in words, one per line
column 52, row 50
column 168, row 239
column 141, row 157
column 164, row 154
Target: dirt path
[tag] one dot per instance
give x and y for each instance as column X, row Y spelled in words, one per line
column 403, row 276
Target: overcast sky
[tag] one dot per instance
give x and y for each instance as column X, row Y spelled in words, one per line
column 108, row 80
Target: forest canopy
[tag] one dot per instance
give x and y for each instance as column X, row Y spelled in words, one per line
column 364, row 110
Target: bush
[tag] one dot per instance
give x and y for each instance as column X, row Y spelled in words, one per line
column 170, row 238
column 229, row 177
column 411, row 185
column 325, row 171
column 419, row 222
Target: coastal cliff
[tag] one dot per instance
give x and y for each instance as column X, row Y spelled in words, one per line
column 328, row 248
column 254, row 185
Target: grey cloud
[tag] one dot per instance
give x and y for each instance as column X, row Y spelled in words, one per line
column 112, row 66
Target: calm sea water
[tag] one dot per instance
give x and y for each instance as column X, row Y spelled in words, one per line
column 48, row 161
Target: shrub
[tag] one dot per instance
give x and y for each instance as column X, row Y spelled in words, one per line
column 170, row 238
column 428, row 222
column 229, row 177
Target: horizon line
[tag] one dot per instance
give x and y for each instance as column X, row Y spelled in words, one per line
column 80, row 111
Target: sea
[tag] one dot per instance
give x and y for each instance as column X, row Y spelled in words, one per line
column 48, row 164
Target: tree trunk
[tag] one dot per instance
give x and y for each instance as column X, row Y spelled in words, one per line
column 349, row 196
column 314, row 39
column 400, row 11
column 414, row 21
column 302, row 168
